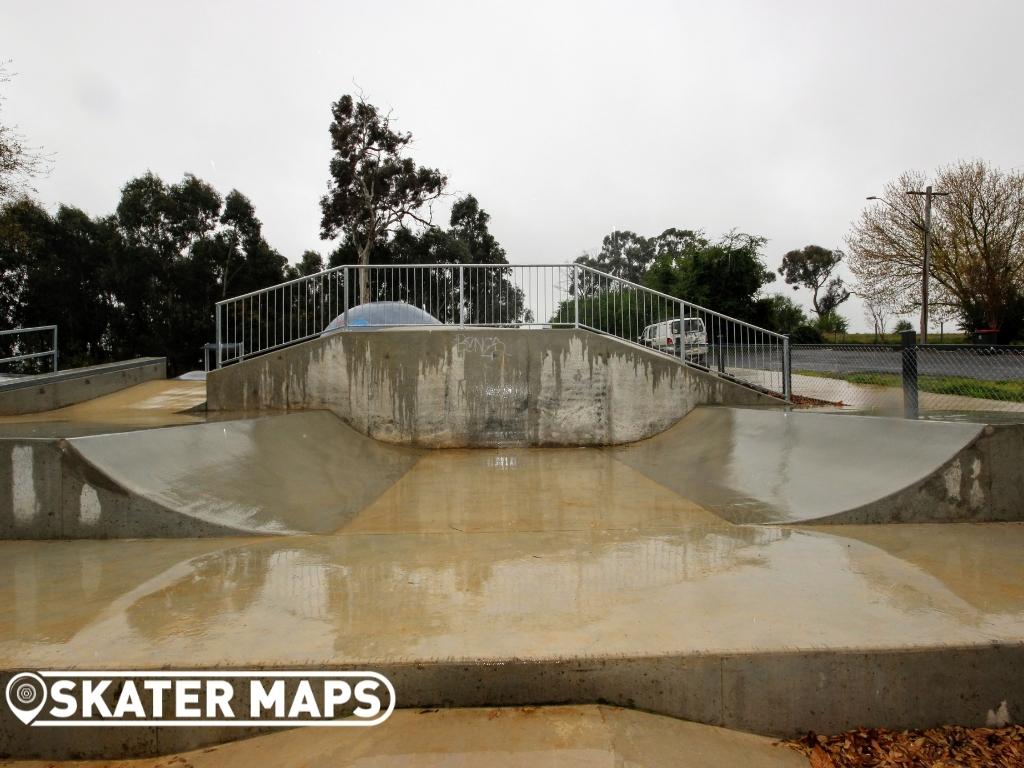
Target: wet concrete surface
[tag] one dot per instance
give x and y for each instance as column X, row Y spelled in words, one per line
column 555, row 489
column 888, row 400
column 306, row 472
column 697, row 587
column 490, row 553
column 150, row 404
column 559, row 737
column 766, row 466
column 598, row 559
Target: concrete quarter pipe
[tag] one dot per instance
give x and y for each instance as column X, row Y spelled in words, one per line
column 311, row 473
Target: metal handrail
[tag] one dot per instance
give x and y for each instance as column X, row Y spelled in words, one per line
column 518, row 295
column 344, row 267
column 51, row 352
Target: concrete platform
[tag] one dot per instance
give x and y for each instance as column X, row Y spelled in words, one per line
column 555, row 737
column 768, row 630
column 445, row 387
column 48, row 391
column 158, row 403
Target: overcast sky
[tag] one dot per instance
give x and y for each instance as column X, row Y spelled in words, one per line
column 566, row 120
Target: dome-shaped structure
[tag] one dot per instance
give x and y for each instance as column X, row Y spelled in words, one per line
column 380, row 314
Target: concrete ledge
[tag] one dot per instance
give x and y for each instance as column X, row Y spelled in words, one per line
column 773, row 694
column 49, row 391
column 479, row 387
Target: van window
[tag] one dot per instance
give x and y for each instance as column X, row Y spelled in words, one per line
column 675, row 327
column 694, row 325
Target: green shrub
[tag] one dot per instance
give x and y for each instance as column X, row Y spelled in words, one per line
column 806, row 334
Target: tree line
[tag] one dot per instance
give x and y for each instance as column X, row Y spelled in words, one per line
column 140, row 281
column 144, row 279
column 727, row 275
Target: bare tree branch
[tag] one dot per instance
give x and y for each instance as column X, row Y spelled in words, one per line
column 20, row 162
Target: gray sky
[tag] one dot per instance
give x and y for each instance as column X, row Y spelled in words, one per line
column 566, row 120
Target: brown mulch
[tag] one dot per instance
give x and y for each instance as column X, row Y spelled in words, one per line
column 803, row 400
column 947, row 747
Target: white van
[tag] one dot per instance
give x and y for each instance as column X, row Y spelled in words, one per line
column 665, row 337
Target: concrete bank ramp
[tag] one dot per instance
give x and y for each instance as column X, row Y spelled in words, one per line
column 300, row 473
column 771, row 466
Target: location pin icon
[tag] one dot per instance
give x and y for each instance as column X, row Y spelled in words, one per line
column 26, row 696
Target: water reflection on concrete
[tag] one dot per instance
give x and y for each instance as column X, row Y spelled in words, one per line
column 979, row 563
column 490, row 554
column 324, row 599
column 526, row 490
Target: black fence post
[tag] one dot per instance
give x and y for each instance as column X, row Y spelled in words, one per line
column 909, row 343
column 721, row 355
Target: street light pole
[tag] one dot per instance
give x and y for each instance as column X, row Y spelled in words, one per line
column 927, row 230
column 928, row 195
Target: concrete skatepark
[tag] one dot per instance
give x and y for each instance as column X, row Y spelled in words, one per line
column 420, row 504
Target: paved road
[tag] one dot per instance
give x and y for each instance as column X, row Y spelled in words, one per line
column 977, row 364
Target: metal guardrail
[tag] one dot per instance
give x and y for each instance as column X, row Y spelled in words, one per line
column 912, row 378
column 511, row 296
column 21, row 343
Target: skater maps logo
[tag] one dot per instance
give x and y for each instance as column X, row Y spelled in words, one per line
column 200, row 698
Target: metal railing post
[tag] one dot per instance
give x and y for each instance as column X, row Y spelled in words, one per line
column 576, row 293
column 908, row 341
column 462, row 297
column 218, row 339
column 682, row 334
column 787, row 370
column 56, row 354
column 345, row 280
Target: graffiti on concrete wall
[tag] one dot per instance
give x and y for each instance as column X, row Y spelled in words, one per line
column 484, row 346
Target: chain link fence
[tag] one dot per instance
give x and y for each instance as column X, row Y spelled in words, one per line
column 932, row 380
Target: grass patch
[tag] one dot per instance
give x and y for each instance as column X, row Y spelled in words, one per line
column 1011, row 391
column 894, row 339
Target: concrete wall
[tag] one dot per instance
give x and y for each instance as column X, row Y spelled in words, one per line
column 455, row 387
column 56, row 390
column 783, row 694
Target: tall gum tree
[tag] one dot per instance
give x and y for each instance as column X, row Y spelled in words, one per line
column 374, row 188
column 812, row 267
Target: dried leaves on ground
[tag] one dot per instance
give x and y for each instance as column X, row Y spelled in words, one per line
column 947, row 747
